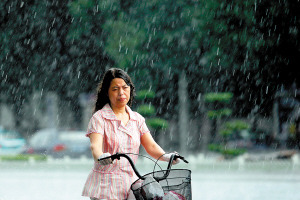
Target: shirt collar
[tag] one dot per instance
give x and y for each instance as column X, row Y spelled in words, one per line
column 108, row 113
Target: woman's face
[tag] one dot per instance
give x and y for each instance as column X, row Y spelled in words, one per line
column 118, row 93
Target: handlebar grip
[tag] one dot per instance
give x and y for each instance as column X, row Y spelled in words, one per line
column 180, row 157
column 112, row 157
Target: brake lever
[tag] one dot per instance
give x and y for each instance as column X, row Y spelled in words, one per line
column 180, row 157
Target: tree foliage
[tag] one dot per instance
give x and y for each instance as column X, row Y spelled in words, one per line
column 249, row 48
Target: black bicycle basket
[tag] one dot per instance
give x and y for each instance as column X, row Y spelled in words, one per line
column 177, row 183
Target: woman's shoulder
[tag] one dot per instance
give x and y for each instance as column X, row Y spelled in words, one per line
column 97, row 115
column 135, row 115
column 106, row 113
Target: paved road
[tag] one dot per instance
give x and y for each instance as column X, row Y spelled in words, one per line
column 62, row 181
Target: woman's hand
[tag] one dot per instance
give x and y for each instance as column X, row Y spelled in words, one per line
column 167, row 157
column 106, row 161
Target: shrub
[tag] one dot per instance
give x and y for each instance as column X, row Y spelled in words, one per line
column 234, row 126
column 146, row 110
column 215, row 147
column 227, row 153
column 157, row 123
column 23, row 157
column 231, row 153
column 213, row 114
column 145, row 94
column 224, row 97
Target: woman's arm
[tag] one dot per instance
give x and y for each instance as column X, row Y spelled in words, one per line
column 152, row 148
column 96, row 140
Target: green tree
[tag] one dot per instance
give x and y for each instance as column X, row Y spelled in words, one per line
column 218, row 108
column 40, row 51
column 245, row 48
column 249, row 48
column 146, row 109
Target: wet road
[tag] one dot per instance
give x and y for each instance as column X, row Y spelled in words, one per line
column 61, row 181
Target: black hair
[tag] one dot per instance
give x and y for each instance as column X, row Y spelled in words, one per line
column 102, row 90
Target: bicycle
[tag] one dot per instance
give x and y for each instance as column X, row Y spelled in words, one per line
column 175, row 183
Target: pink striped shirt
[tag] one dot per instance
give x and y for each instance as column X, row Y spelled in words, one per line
column 114, row 181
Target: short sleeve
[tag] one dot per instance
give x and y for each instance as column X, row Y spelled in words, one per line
column 143, row 128
column 96, row 125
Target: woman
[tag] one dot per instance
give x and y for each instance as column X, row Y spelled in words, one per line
column 113, row 128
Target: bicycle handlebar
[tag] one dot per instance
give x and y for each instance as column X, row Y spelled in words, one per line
column 173, row 157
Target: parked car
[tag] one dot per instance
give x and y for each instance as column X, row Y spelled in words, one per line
column 59, row 143
column 11, row 142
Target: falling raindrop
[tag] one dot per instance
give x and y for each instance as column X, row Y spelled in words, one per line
column 53, row 22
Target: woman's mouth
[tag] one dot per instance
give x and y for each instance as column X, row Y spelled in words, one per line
column 122, row 99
